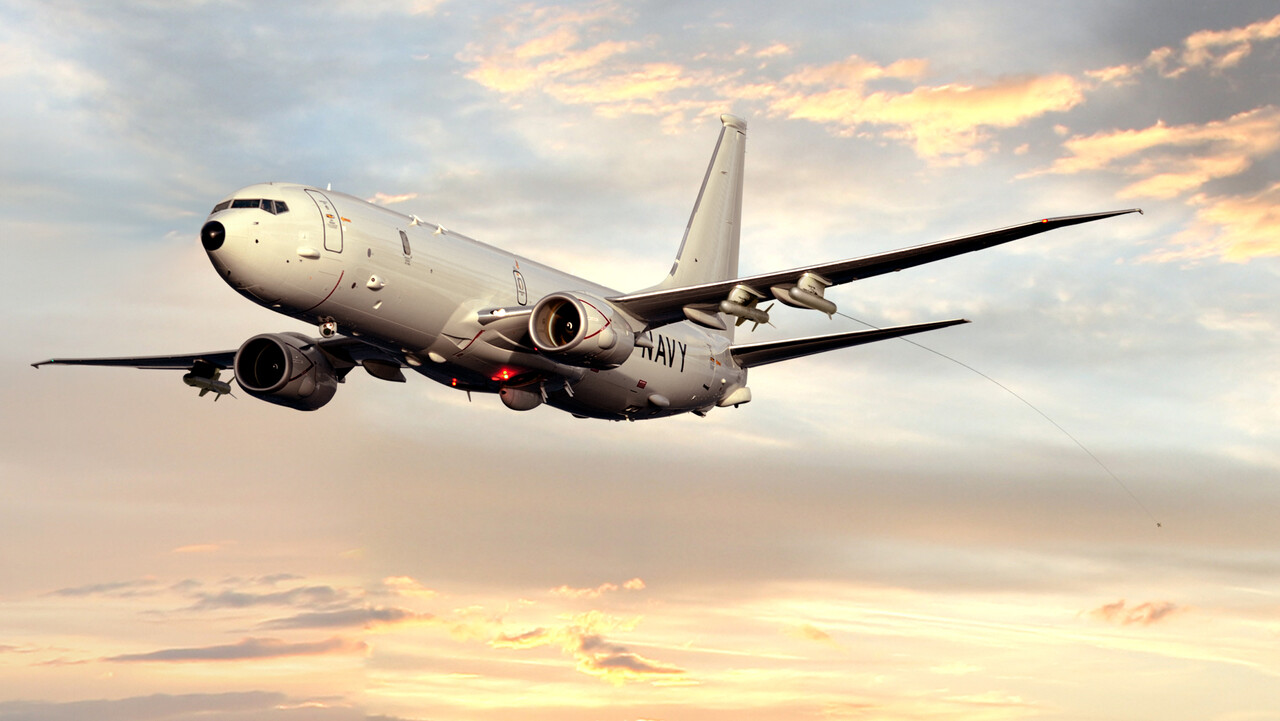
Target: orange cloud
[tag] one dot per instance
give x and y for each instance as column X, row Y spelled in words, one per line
column 1171, row 160
column 583, row 639
column 385, row 199
column 1143, row 614
column 528, row 639
column 198, row 548
column 1235, row 229
column 950, row 122
column 616, row 664
column 553, row 52
column 406, row 586
column 566, row 55
column 550, row 59
column 1220, row 49
column 773, row 51
column 634, row 584
column 809, row 632
column 1216, row 50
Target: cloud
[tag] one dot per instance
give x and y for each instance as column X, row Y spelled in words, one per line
column 616, row 664
column 570, row 56
column 388, row 7
column 1220, row 49
column 957, row 668
column 1233, row 228
column 406, row 586
column 557, row 53
column 634, row 584
column 528, row 639
column 544, row 51
column 1215, row 50
column 385, row 199
column 20, row 58
column 120, row 589
column 247, row 649
column 242, row 706
column 198, row 548
column 810, row 632
column 1143, row 614
column 302, row 596
column 549, row 53
column 773, row 51
column 353, row 617
column 1171, row 160
column 583, row 639
column 946, row 123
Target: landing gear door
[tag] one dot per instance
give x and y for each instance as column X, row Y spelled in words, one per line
column 329, row 218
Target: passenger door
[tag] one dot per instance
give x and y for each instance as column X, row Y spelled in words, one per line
column 330, row 219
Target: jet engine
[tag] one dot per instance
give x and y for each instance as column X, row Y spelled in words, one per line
column 288, row 369
column 581, row 330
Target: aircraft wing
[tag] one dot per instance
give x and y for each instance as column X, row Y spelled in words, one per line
column 342, row 347
column 218, row 359
column 663, row 306
column 758, row 354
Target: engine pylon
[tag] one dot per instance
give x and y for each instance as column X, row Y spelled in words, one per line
column 806, row 293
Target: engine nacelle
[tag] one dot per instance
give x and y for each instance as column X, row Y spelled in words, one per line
column 288, row 369
column 581, row 330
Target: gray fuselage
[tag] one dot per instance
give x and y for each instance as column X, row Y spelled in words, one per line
column 416, row 290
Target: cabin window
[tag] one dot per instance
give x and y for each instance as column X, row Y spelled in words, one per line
column 404, row 241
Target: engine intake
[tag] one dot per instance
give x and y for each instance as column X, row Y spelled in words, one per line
column 580, row 330
column 287, row 369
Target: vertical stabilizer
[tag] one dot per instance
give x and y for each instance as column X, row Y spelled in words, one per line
column 709, row 251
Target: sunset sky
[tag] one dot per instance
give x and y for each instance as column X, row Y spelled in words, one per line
column 883, row 533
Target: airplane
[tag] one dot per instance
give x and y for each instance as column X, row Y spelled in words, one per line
column 389, row 291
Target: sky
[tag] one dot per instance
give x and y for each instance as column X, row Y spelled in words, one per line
column 883, row 533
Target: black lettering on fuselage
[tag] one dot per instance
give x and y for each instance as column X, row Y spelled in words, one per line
column 664, row 351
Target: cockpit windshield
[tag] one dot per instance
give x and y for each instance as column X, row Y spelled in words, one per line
column 274, row 207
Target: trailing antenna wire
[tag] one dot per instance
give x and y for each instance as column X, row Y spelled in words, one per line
column 1028, row 404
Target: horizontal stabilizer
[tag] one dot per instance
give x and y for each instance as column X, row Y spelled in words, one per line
column 758, row 354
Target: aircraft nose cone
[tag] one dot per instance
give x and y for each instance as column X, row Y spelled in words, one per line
column 212, row 235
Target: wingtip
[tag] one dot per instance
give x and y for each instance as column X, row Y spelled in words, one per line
column 1126, row 211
